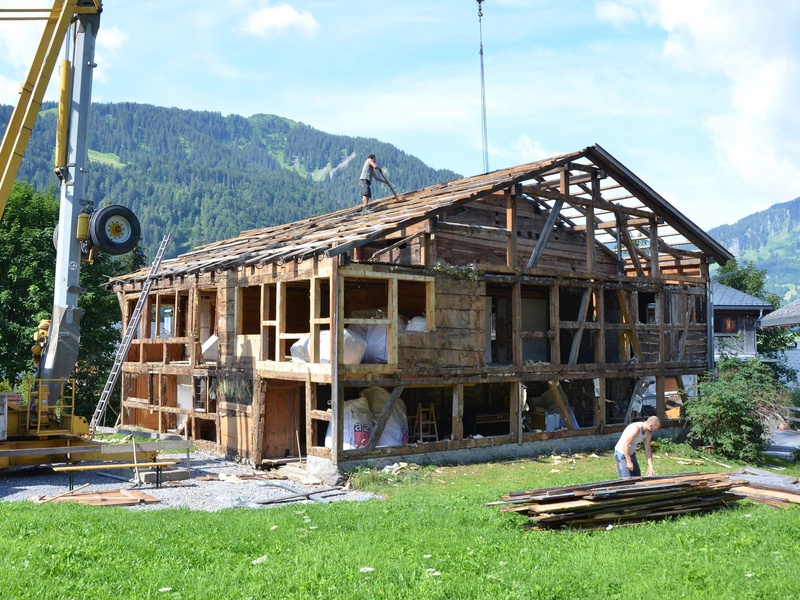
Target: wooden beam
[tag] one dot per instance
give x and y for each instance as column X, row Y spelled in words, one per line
column 547, row 230
column 384, row 418
column 397, row 244
column 631, row 333
column 511, row 227
column 607, row 224
column 555, row 318
column 578, row 333
column 473, row 230
column 600, row 204
column 632, row 251
column 457, row 430
column 561, row 402
column 654, row 248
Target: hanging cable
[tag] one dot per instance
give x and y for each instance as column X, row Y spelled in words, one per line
column 483, row 94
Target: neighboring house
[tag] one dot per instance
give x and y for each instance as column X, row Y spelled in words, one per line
column 470, row 320
column 735, row 321
column 785, row 316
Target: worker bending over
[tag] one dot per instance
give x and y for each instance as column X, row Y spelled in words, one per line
column 625, row 450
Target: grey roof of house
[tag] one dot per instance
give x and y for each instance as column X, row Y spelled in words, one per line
column 726, row 297
column 786, row 316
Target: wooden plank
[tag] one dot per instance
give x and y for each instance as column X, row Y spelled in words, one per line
column 102, row 448
column 545, row 234
column 561, row 402
column 70, row 468
column 384, row 418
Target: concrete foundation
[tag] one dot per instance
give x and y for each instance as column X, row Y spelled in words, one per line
column 325, row 470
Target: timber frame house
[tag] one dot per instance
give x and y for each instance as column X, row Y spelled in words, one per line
column 543, row 295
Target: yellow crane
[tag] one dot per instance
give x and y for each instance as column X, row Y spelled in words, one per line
column 83, row 228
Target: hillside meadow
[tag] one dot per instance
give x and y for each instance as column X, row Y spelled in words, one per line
column 430, row 536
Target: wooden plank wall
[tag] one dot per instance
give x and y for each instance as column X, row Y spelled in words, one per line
column 459, row 337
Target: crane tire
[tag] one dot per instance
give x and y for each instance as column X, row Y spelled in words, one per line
column 114, row 229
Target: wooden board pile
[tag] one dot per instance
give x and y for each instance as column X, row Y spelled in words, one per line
column 621, row 502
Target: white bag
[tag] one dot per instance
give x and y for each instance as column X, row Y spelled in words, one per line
column 358, row 425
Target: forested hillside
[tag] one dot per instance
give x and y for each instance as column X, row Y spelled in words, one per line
column 771, row 240
column 206, row 177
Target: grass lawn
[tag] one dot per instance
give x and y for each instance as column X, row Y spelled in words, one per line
column 431, row 537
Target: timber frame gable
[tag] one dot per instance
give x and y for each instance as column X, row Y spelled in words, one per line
column 510, row 312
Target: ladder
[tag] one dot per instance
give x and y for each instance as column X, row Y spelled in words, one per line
column 127, row 338
column 425, row 424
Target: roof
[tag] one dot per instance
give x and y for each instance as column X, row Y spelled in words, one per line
column 786, row 316
column 335, row 233
column 726, row 297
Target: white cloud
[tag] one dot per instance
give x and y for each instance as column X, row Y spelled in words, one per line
column 756, row 50
column 110, row 40
column 616, row 13
column 528, row 150
column 271, row 20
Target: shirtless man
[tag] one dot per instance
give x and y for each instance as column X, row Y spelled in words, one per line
column 625, row 450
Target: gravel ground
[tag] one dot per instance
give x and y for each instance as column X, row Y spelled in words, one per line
column 242, row 486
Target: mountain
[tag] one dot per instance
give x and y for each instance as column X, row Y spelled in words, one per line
column 207, row 177
column 771, row 240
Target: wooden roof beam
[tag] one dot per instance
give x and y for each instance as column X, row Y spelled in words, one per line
column 601, row 204
column 610, row 225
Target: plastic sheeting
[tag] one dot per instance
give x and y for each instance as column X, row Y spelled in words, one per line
column 354, row 348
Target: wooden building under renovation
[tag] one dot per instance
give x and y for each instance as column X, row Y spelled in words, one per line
column 512, row 311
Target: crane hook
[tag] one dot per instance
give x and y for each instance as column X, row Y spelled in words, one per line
column 480, row 11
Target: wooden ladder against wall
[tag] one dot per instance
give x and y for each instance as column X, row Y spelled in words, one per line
column 425, row 424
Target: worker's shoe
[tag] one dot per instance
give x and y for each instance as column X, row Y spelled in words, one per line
column 366, row 210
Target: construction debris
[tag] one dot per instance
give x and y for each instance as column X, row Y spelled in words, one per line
column 107, row 498
column 609, row 504
column 621, row 502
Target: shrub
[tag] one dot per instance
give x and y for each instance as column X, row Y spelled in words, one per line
column 734, row 409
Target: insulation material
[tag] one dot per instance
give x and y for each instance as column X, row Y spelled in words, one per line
column 396, row 431
column 376, row 351
column 357, row 425
column 417, row 324
column 210, row 348
column 354, row 348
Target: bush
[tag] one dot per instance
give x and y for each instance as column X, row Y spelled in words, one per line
column 735, row 407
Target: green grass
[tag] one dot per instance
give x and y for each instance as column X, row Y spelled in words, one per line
column 107, row 158
column 430, row 537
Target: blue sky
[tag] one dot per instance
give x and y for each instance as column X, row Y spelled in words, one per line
column 697, row 97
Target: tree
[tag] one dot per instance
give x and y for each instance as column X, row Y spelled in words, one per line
column 732, row 413
column 27, row 272
column 772, row 343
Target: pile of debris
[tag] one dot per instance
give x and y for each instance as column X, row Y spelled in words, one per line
column 620, row 502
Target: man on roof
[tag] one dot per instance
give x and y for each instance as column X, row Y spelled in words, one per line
column 368, row 172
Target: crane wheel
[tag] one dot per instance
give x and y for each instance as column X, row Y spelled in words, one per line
column 114, row 229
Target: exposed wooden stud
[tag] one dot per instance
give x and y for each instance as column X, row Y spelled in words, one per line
column 578, row 334
column 458, row 412
column 511, row 226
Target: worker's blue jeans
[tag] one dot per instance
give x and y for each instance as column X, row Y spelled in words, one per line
column 622, row 465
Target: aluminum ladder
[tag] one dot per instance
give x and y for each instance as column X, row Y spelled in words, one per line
column 127, row 338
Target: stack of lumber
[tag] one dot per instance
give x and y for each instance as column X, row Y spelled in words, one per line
column 621, row 502
column 767, row 487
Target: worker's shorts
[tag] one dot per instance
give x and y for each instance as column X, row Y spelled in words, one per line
column 365, row 188
column 622, row 466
